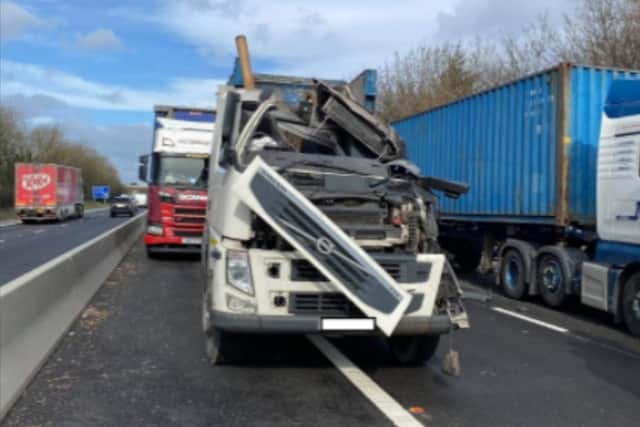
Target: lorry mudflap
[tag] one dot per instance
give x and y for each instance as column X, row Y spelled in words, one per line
column 324, row 244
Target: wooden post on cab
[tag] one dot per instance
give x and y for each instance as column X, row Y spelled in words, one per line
column 245, row 62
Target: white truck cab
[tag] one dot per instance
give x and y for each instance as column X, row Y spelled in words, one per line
column 317, row 223
column 611, row 278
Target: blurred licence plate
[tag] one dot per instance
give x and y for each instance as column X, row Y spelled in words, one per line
column 341, row 324
column 191, row 240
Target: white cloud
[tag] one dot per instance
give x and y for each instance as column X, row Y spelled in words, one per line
column 15, row 21
column 30, row 80
column 41, row 121
column 333, row 38
column 472, row 17
column 100, row 39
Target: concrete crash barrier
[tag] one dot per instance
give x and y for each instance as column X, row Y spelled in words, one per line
column 38, row 307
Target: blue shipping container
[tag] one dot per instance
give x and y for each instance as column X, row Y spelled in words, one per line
column 528, row 148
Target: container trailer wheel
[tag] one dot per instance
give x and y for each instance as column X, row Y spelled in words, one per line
column 413, row 349
column 513, row 274
column 552, row 280
column 631, row 304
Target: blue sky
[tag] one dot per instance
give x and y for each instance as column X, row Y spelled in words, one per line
column 96, row 68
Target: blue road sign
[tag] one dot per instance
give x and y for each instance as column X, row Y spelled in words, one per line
column 101, row 192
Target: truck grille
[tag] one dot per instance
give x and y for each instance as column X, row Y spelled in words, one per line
column 333, row 304
column 187, row 233
column 402, row 271
column 189, row 216
column 189, row 211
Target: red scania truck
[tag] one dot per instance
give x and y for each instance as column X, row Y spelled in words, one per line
column 48, row 192
column 177, row 172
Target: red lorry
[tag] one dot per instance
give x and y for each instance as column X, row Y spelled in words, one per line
column 177, row 201
column 47, row 192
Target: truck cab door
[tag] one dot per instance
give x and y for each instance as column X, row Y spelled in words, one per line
column 323, row 244
column 618, row 187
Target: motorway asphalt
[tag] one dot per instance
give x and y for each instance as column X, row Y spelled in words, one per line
column 136, row 357
column 26, row 246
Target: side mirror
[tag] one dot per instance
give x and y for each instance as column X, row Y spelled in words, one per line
column 142, row 168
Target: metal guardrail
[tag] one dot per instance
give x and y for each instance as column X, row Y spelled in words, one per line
column 37, row 308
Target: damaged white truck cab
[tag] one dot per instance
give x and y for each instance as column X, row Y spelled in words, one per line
column 319, row 224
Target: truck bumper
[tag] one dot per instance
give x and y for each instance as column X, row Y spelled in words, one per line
column 242, row 323
column 165, row 244
column 36, row 214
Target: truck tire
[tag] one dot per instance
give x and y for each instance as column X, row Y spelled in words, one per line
column 551, row 279
column 224, row 348
column 631, row 304
column 512, row 274
column 413, row 349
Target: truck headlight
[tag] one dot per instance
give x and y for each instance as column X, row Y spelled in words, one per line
column 166, row 197
column 239, row 271
column 155, row 229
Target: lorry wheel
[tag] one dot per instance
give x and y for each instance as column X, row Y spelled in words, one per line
column 413, row 349
column 224, row 347
column 512, row 274
column 551, row 280
column 631, row 304
column 151, row 254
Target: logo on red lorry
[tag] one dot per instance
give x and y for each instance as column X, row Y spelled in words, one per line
column 35, row 181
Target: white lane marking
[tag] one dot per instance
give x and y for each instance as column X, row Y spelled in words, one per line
column 372, row 391
column 531, row 320
column 39, row 231
column 1, row 241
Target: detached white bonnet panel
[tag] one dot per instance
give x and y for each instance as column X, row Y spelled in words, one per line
column 323, row 244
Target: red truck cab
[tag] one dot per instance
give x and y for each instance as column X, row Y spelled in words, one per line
column 179, row 164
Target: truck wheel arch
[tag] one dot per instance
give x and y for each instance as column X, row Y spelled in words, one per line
column 528, row 252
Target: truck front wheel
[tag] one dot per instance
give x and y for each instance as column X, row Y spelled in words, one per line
column 631, row 304
column 223, row 347
column 413, row 349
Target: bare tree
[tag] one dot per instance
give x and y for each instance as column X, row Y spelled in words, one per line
column 598, row 32
column 423, row 78
column 47, row 144
column 605, row 33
